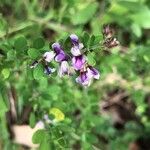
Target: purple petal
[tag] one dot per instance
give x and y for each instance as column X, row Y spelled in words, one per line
column 74, row 39
column 60, row 57
column 57, row 48
column 93, row 73
column 83, row 79
column 78, row 62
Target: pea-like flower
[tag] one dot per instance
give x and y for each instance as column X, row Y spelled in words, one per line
column 76, row 49
column 49, row 56
column 85, row 78
column 93, row 73
column 64, row 69
column 78, row 59
column 78, row 62
column 60, row 54
column 62, row 58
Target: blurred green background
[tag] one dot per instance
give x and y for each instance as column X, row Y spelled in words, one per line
column 113, row 113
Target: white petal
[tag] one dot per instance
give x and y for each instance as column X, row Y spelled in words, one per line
column 89, row 73
column 97, row 76
column 49, row 56
column 81, row 45
column 53, row 70
column 75, row 51
column 64, row 67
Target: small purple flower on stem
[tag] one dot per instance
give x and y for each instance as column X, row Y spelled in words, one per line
column 75, row 50
column 48, row 70
column 64, row 68
column 78, row 62
column 62, row 58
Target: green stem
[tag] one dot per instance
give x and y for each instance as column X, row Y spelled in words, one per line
column 57, row 27
column 15, row 30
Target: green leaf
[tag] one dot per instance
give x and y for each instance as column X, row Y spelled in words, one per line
column 90, row 59
column 85, row 39
column 32, row 120
column 142, row 18
column 45, row 144
column 11, row 55
column 92, row 40
column 84, row 15
column 5, row 73
column 38, row 72
column 136, row 30
column 38, row 136
column 41, row 137
column 21, row 44
column 66, row 44
column 38, row 43
column 33, row 53
column 98, row 38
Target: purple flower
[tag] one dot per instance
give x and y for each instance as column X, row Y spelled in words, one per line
column 49, row 56
column 64, row 68
column 60, row 57
column 74, row 39
column 76, row 49
column 60, row 54
column 78, row 62
column 57, row 48
column 84, row 79
column 93, row 73
column 48, row 70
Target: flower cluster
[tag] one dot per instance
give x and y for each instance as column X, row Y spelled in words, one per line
column 79, row 63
